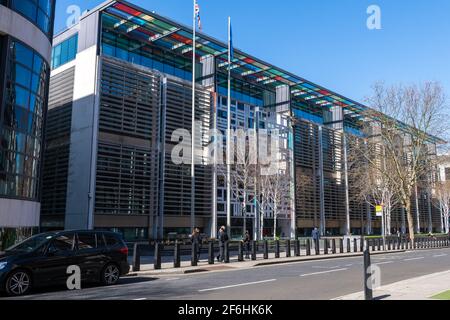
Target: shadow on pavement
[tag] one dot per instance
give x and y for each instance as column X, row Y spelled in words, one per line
column 382, row 297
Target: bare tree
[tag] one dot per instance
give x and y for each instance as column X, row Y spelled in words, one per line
column 442, row 195
column 403, row 124
column 278, row 187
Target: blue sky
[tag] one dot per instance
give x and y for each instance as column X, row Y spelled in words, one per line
column 325, row 41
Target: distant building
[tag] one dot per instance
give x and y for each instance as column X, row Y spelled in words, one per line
column 26, row 32
column 121, row 84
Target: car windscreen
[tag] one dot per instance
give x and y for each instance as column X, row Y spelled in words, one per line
column 31, row 244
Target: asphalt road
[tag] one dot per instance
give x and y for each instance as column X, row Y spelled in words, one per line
column 312, row 280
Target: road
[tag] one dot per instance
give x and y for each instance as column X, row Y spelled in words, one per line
column 312, row 280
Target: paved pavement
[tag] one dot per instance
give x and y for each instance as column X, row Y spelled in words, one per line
column 309, row 280
column 420, row 288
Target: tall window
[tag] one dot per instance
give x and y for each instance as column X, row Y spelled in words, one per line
column 21, row 130
column 40, row 12
column 64, row 52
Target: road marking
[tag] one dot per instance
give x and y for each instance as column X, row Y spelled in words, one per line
column 323, row 272
column 348, row 265
column 412, row 259
column 386, row 262
column 319, row 267
column 172, row 279
column 440, row 255
column 140, row 299
column 237, row 285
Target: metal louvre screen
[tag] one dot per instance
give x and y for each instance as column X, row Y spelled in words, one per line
column 306, row 154
column 57, row 149
column 177, row 178
column 127, row 163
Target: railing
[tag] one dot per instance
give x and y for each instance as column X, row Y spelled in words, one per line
column 270, row 249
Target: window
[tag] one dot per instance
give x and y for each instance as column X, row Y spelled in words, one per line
column 64, row 52
column 86, row 241
column 63, row 242
column 40, row 12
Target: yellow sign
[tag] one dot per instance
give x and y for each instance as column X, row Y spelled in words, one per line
column 379, row 210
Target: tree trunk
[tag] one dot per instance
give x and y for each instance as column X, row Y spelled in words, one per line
column 410, row 219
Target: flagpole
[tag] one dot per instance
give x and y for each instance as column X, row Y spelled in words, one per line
column 194, row 36
column 229, row 133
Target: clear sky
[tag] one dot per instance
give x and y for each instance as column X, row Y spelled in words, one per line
column 325, row 41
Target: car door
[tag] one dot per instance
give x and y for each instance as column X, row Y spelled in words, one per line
column 90, row 255
column 52, row 268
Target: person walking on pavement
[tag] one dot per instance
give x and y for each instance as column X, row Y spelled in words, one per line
column 196, row 241
column 223, row 238
column 316, row 236
column 247, row 239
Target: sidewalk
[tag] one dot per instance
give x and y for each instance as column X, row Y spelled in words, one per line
column 203, row 266
column 421, row 288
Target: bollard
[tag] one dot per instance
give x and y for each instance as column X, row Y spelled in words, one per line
column 157, row 262
column 333, row 246
column 317, row 247
column 136, row 258
column 403, row 244
column 361, row 244
column 288, row 248
column 308, row 247
column 194, row 254
column 211, row 252
column 266, row 249
column 277, row 249
column 325, row 246
column 349, row 249
column 389, row 244
column 254, row 247
column 241, row 251
column 227, row 251
column 297, row 248
column 379, row 244
column 177, row 256
column 373, row 244
column 368, row 293
column 355, row 245
column 341, row 245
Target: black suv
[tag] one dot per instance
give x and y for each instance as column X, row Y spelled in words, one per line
column 44, row 260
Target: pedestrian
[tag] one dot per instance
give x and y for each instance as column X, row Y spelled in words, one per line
column 316, row 236
column 223, row 238
column 196, row 241
column 247, row 239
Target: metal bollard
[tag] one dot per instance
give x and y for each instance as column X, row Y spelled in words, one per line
column 355, row 245
column 297, row 248
column 288, row 248
column 317, row 247
column 266, row 249
column 254, row 245
column 194, row 254
column 333, row 246
column 379, row 244
column 341, row 245
column 373, row 244
column 361, row 244
column 227, row 251
column 349, row 249
column 308, row 247
column 241, row 251
column 136, row 258
column 177, row 255
column 157, row 262
column 325, row 246
column 211, row 252
column 389, row 244
column 368, row 293
column 277, row 249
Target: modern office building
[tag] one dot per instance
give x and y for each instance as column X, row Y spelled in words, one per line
column 121, row 85
column 26, row 32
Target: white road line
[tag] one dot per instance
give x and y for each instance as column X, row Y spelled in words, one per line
column 348, row 265
column 386, row 262
column 172, row 279
column 319, row 267
column 323, row 272
column 440, row 255
column 238, row 285
column 412, row 259
column 140, row 299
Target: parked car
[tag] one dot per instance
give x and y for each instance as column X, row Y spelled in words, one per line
column 43, row 260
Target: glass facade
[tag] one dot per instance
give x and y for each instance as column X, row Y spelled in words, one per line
column 40, row 12
column 64, row 52
column 22, row 121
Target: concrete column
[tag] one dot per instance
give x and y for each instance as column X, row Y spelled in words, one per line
column 321, row 185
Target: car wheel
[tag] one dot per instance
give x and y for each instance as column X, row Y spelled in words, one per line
column 110, row 275
column 18, row 283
